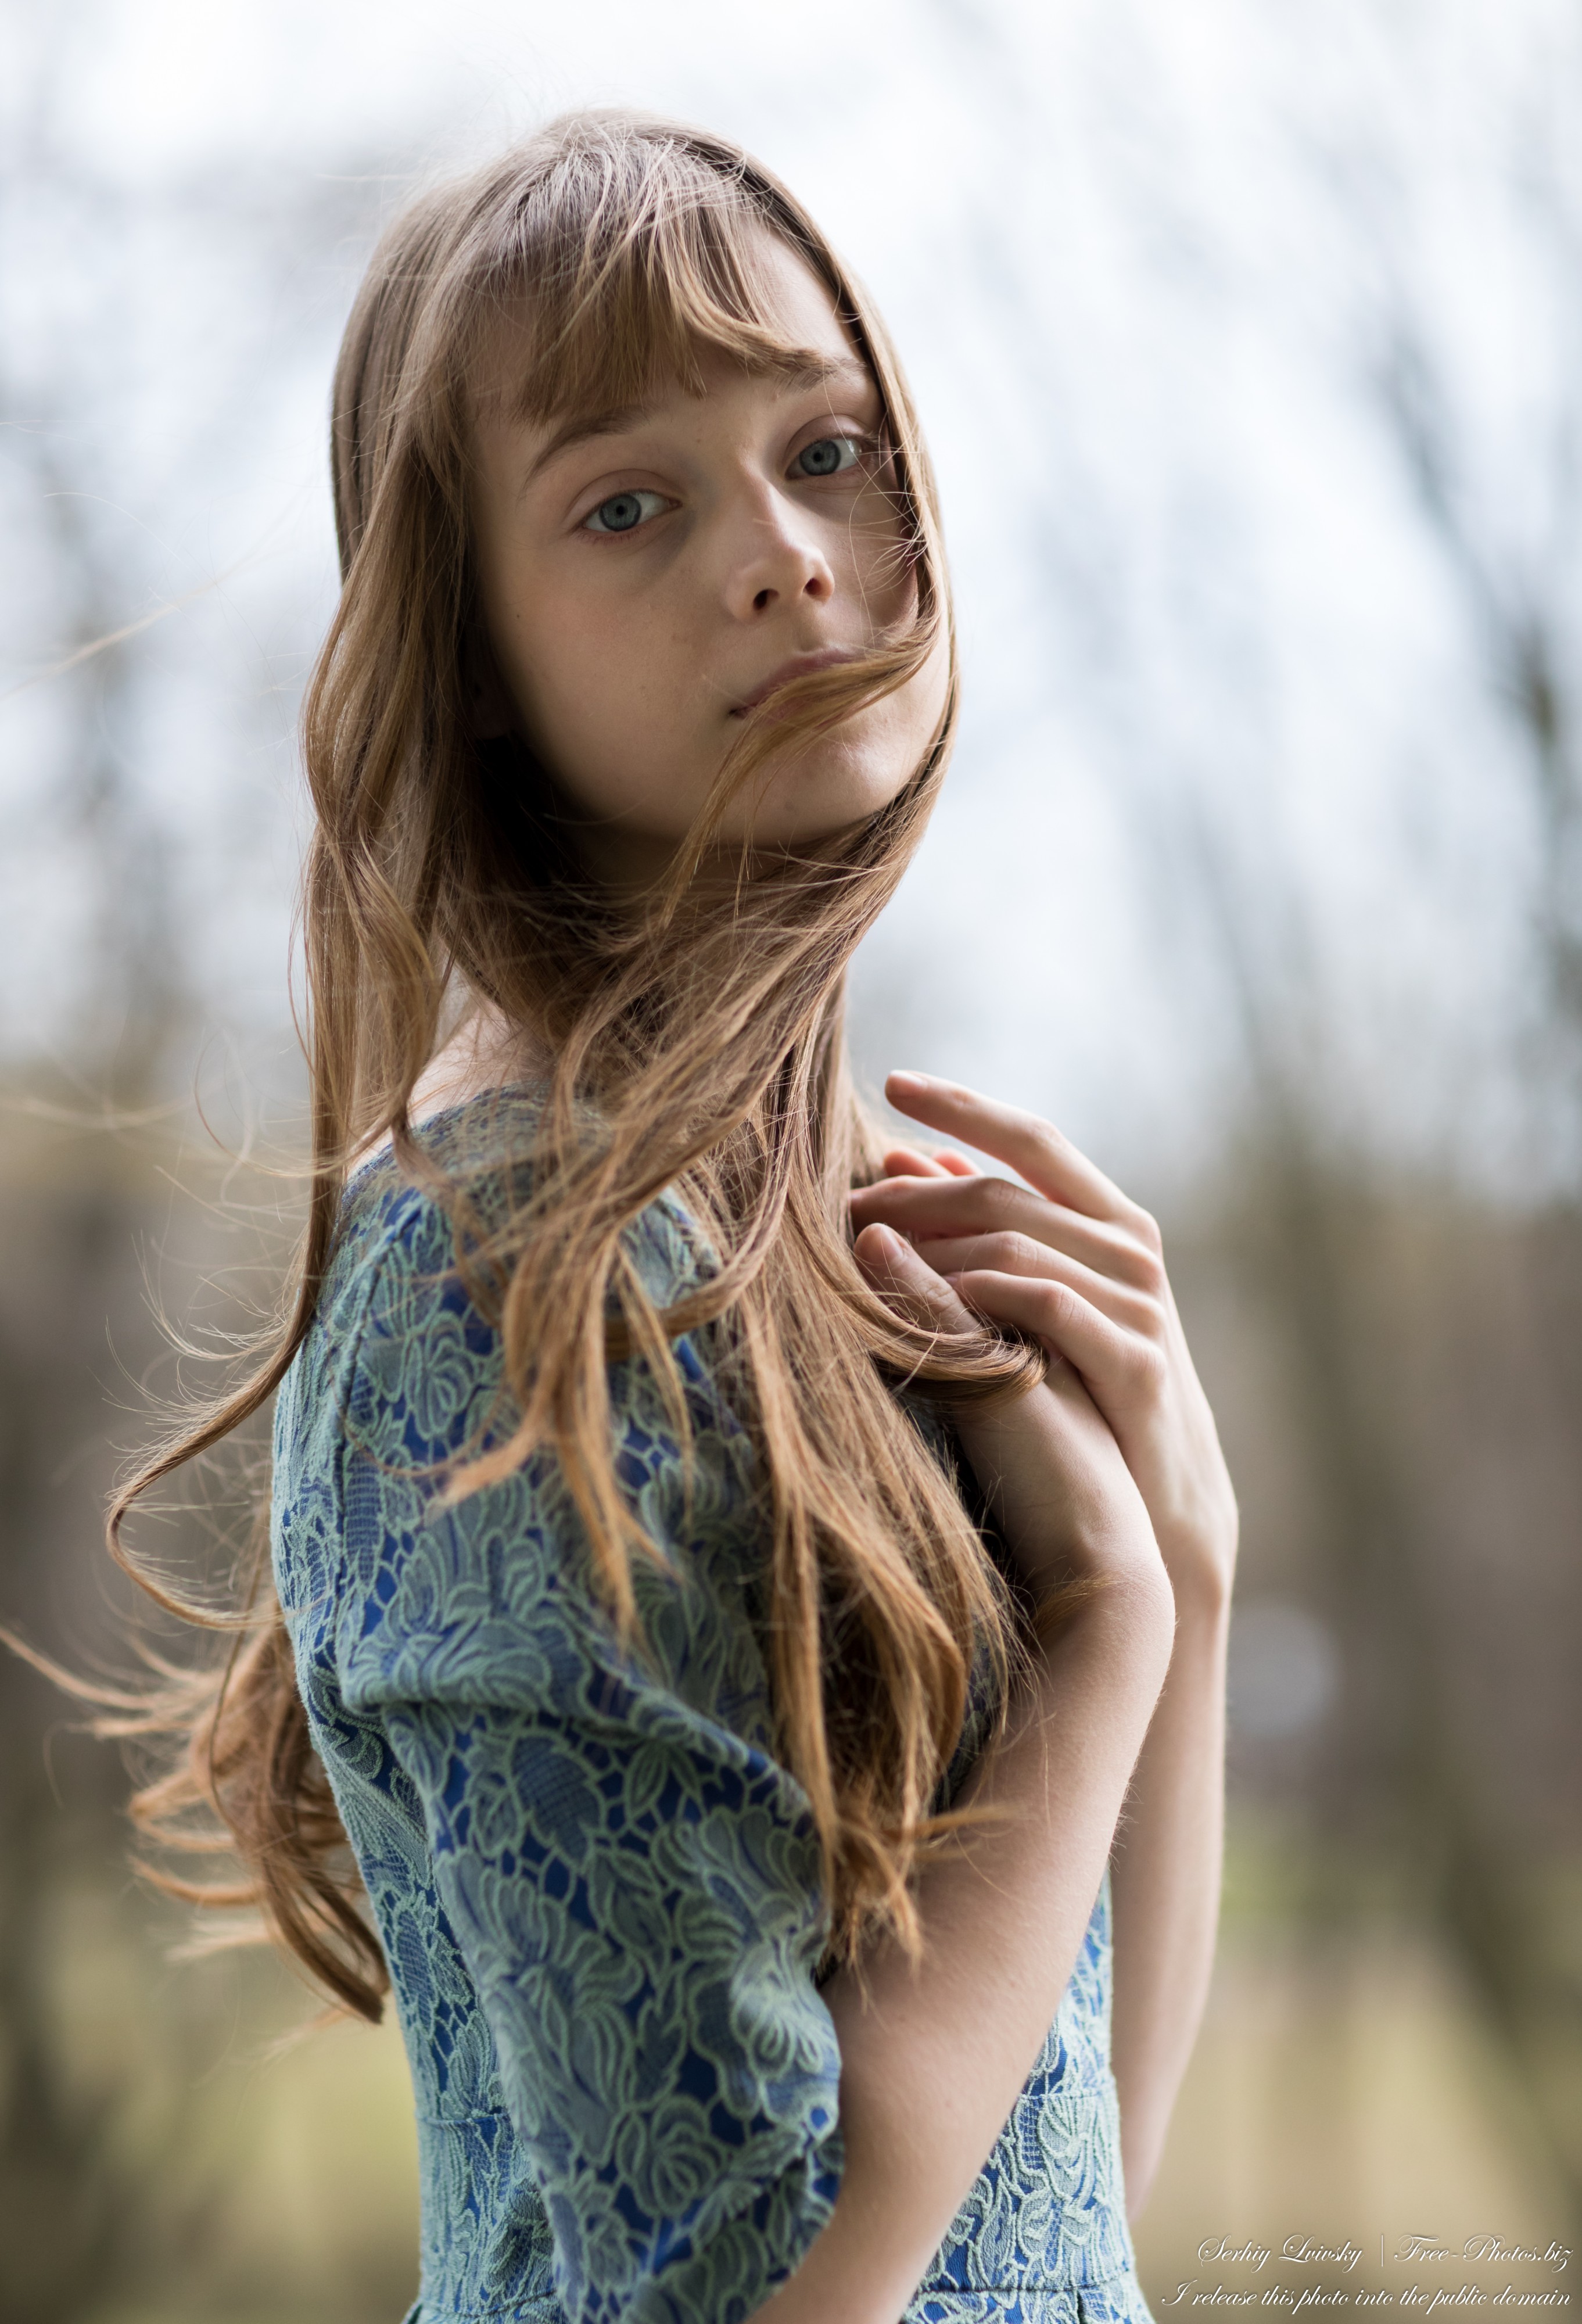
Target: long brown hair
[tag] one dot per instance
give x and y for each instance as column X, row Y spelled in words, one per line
column 695, row 1044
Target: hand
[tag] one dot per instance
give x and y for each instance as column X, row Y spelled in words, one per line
column 1076, row 1265
column 1047, row 1460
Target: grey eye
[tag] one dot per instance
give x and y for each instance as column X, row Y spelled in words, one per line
column 828, row 456
column 623, row 512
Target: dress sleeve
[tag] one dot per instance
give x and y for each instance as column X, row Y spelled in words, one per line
column 631, row 1875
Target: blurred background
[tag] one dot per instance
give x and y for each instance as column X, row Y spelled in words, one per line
column 1249, row 342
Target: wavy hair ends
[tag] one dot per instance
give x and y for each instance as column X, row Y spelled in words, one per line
column 695, row 1044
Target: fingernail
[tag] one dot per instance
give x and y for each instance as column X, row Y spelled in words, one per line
column 893, row 1249
column 913, row 1084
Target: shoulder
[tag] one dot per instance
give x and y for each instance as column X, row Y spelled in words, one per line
column 399, row 1357
column 490, row 1596
column 397, row 1247
column 396, row 1241
column 403, row 1362
column 393, row 1273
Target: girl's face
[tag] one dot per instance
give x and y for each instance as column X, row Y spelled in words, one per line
column 647, row 575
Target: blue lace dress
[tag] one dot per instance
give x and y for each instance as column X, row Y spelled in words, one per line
column 597, row 1888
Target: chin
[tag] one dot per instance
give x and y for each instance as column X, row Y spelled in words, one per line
column 828, row 790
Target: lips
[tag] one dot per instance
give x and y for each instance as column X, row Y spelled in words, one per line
column 799, row 665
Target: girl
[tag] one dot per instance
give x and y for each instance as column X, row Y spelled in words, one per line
column 727, row 1576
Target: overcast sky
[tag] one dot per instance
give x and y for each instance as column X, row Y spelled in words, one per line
column 1141, row 261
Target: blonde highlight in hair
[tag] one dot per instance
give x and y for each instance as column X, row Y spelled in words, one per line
column 697, row 1042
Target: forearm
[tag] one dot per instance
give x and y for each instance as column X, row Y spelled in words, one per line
column 1165, row 1875
column 1067, row 1259
column 932, row 2062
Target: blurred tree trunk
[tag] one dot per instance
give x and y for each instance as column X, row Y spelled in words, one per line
column 81, row 2214
column 73, row 2217
column 70, row 2221
column 1408, row 1781
column 1524, row 611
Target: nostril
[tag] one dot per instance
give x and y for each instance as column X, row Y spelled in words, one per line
column 762, row 600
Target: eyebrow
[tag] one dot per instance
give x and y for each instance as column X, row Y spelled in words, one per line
column 798, row 374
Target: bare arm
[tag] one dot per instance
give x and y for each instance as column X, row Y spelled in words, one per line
column 1069, row 1258
column 1166, row 1885
column 932, row 2062
column 931, row 2066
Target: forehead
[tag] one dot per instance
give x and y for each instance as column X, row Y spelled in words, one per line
column 798, row 306
column 794, row 337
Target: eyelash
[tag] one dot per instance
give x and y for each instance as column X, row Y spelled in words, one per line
column 639, row 495
column 858, row 444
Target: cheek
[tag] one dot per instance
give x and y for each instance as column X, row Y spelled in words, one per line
column 871, row 546
column 605, row 697
column 902, row 726
column 554, row 658
column 921, row 702
column 861, row 765
column 550, row 650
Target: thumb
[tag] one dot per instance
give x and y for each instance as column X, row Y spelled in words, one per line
column 909, row 1284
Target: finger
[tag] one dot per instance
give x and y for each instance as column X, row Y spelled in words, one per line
column 907, row 1162
column 910, row 1283
column 930, row 1209
column 1122, row 1368
column 1047, row 1161
column 1016, row 1254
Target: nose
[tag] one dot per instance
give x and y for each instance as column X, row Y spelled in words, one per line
column 774, row 558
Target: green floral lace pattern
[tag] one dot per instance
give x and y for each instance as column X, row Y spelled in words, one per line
column 597, row 1888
